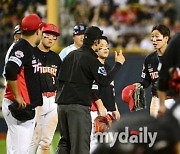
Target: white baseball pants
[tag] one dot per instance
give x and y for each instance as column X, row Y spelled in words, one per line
column 19, row 135
column 46, row 123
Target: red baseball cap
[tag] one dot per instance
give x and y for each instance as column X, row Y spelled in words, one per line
column 127, row 95
column 31, row 22
column 51, row 28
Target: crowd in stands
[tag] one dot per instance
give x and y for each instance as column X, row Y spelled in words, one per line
column 127, row 23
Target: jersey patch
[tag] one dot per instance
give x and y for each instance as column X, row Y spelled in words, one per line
column 19, row 54
column 102, row 70
column 95, row 86
column 15, row 60
column 143, row 75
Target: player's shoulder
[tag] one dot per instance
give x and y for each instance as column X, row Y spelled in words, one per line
column 54, row 54
column 152, row 54
column 23, row 46
column 68, row 48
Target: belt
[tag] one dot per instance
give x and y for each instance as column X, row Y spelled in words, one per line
column 48, row 94
column 168, row 97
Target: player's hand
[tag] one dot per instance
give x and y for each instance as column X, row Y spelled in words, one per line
column 21, row 102
column 161, row 110
column 116, row 115
column 119, row 57
column 102, row 110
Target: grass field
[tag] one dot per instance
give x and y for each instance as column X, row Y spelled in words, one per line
column 54, row 144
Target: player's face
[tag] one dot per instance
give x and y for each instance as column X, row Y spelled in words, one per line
column 158, row 40
column 103, row 50
column 78, row 40
column 48, row 40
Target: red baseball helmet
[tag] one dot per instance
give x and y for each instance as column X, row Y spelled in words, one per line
column 127, row 96
column 51, row 28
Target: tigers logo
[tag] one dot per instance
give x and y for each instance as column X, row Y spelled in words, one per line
column 19, row 54
column 52, row 27
column 102, row 70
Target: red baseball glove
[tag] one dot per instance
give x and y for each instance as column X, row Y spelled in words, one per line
column 102, row 124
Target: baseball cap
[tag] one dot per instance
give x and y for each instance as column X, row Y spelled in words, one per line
column 127, row 95
column 17, row 29
column 31, row 22
column 51, row 28
column 93, row 33
column 79, row 29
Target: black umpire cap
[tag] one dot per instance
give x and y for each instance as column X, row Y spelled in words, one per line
column 93, row 33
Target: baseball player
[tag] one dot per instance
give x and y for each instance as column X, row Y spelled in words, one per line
column 103, row 97
column 49, row 63
column 78, row 36
column 150, row 73
column 23, row 85
column 170, row 59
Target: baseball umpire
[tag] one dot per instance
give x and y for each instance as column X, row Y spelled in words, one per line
column 23, row 92
column 49, row 64
column 77, row 73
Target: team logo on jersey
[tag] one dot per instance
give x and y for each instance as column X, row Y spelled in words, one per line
column 19, row 54
column 150, row 69
column 102, row 70
column 154, row 75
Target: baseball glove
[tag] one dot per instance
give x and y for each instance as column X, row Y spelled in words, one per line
column 102, row 123
column 22, row 114
column 139, row 97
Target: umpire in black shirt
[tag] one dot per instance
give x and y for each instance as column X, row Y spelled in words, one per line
column 77, row 73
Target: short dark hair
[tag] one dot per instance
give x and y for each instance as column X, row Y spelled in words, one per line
column 164, row 30
column 28, row 33
column 105, row 38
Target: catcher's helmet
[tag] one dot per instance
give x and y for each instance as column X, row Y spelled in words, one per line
column 127, row 96
column 51, row 28
column 17, row 29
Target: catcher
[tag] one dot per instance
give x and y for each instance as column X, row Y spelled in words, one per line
column 150, row 73
column 103, row 103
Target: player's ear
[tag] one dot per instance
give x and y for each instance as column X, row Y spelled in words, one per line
column 38, row 32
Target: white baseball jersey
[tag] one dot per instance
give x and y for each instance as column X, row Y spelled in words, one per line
column 66, row 51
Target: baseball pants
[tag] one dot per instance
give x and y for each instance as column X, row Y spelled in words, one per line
column 19, row 134
column 46, row 123
column 154, row 106
column 75, row 129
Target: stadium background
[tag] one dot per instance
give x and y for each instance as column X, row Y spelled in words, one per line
column 127, row 23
